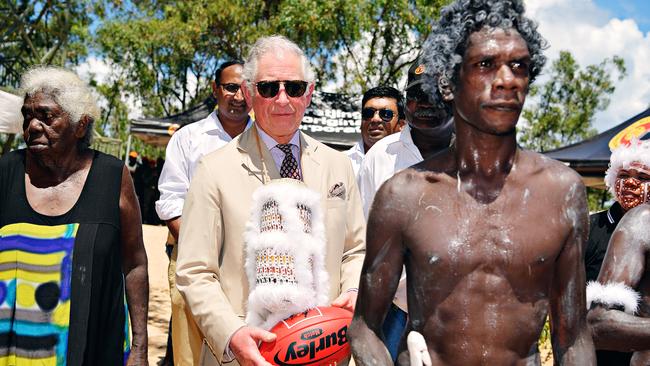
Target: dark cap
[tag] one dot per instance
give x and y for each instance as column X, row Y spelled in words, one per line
column 416, row 74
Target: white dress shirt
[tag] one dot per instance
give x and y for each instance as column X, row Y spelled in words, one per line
column 385, row 158
column 184, row 150
column 356, row 154
column 276, row 153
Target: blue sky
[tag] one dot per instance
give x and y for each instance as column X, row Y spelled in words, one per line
column 639, row 10
column 593, row 30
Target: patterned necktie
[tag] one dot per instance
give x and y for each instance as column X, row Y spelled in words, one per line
column 289, row 168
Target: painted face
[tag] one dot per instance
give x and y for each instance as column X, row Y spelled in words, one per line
column 493, row 80
column 421, row 115
column 633, row 186
column 47, row 129
column 280, row 115
column 376, row 128
column 232, row 105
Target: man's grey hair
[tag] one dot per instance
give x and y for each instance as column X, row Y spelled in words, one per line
column 446, row 45
column 276, row 44
column 68, row 90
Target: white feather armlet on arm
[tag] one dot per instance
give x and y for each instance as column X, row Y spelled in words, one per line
column 613, row 295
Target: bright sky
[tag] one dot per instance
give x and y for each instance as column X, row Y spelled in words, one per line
column 639, row 10
column 590, row 29
column 596, row 29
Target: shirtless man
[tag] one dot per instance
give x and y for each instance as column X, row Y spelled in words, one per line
column 620, row 299
column 482, row 269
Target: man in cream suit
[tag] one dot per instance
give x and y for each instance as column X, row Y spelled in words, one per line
column 210, row 268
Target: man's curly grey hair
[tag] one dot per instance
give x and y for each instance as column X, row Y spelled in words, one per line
column 275, row 43
column 445, row 47
column 68, row 90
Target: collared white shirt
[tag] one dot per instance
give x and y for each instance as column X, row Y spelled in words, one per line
column 385, row 158
column 184, row 150
column 356, row 154
column 276, row 153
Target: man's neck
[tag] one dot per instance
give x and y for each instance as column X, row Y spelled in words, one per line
column 271, row 140
column 483, row 161
column 231, row 126
column 429, row 145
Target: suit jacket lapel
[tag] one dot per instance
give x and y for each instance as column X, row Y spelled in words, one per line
column 252, row 161
column 310, row 164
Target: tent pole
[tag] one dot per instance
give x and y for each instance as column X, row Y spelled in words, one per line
column 128, row 148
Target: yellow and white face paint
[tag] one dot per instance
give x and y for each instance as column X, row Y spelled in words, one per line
column 628, row 176
column 633, row 186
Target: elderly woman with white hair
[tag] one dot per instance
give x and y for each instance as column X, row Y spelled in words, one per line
column 73, row 268
column 617, row 261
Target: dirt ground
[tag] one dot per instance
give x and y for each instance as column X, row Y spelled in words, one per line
column 159, row 307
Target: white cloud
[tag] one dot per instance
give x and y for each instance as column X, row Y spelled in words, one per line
column 102, row 71
column 95, row 68
column 591, row 35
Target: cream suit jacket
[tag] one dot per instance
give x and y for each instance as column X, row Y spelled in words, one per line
column 210, row 268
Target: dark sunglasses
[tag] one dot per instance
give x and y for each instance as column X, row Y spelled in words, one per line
column 385, row 114
column 231, row 87
column 269, row 89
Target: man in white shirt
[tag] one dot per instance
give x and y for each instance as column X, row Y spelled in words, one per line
column 429, row 130
column 184, row 151
column 382, row 114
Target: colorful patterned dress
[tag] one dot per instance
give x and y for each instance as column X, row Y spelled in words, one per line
column 61, row 283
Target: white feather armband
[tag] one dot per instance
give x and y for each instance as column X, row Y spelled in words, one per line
column 285, row 253
column 613, row 295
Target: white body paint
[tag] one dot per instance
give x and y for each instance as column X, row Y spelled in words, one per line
column 418, row 352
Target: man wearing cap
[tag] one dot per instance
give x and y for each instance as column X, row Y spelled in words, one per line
column 429, row 129
column 613, row 295
column 382, row 114
column 184, row 150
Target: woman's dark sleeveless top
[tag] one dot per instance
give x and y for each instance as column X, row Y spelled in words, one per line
column 61, row 284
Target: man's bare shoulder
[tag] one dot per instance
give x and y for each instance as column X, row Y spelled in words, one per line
column 636, row 221
column 407, row 185
column 539, row 166
column 562, row 187
column 396, row 196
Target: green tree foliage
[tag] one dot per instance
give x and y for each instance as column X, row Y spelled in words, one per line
column 168, row 50
column 164, row 53
column 598, row 199
column 564, row 106
column 39, row 33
